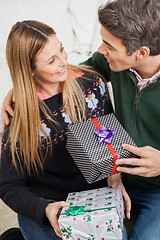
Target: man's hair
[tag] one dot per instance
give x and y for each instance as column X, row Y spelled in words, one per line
column 136, row 22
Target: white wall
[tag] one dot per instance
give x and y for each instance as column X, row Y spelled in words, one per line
column 75, row 21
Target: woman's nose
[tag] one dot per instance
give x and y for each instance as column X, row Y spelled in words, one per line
column 63, row 59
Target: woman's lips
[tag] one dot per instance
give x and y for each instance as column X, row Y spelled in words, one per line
column 62, row 71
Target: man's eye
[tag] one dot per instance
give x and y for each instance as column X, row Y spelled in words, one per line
column 110, row 48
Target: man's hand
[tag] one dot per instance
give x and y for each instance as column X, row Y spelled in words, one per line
column 148, row 163
column 52, row 213
column 6, row 108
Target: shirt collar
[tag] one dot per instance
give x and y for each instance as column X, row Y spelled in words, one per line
column 142, row 83
column 139, row 78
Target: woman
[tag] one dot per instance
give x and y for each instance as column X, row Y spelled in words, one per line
column 37, row 171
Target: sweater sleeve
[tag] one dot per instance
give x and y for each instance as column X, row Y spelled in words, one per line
column 97, row 96
column 15, row 191
column 108, row 108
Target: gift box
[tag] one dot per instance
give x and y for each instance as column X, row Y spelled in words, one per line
column 95, row 214
column 96, row 144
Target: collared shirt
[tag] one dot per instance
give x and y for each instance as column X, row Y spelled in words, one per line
column 142, row 83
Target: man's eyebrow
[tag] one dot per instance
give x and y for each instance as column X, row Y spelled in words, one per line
column 108, row 44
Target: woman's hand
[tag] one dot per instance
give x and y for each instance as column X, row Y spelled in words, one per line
column 114, row 181
column 127, row 201
column 6, row 107
column 52, row 213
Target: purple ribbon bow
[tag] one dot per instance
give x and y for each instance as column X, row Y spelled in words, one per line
column 104, row 134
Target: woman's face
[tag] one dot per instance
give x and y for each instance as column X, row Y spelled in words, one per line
column 51, row 65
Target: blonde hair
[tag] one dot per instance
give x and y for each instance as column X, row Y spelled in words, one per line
column 25, row 42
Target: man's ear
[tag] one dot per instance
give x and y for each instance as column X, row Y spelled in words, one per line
column 142, row 53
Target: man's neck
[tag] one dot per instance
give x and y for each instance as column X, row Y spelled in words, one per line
column 149, row 67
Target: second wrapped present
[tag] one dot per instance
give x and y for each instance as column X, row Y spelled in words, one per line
column 96, row 144
column 94, row 215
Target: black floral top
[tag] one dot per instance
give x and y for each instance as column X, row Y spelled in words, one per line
column 28, row 195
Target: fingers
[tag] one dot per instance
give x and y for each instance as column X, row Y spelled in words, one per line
column 130, row 161
column 114, row 180
column 6, row 108
column 147, row 166
column 57, row 229
column 127, row 201
column 127, row 207
column 141, row 171
column 142, row 168
column 135, row 171
column 52, row 213
column 62, row 204
column 5, row 119
column 139, row 151
column 10, row 110
column 130, row 148
column 55, row 224
column 109, row 182
column 112, row 184
column 4, row 114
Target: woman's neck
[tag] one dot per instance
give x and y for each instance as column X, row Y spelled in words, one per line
column 49, row 90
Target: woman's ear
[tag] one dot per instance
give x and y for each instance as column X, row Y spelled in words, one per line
column 142, row 53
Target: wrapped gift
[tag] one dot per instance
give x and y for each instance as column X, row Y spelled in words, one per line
column 96, row 144
column 95, row 214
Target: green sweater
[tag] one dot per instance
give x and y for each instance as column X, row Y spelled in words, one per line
column 138, row 112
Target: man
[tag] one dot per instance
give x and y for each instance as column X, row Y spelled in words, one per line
column 129, row 57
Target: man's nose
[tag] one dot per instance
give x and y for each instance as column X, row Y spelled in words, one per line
column 102, row 50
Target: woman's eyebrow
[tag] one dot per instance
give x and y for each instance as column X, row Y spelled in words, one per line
column 54, row 55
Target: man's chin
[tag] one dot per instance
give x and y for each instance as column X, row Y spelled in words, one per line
column 115, row 69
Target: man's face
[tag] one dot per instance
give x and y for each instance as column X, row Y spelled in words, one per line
column 115, row 52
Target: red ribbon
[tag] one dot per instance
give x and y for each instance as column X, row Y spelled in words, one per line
column 111, row 149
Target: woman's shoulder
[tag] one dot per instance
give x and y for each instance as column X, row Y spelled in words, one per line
column 91, row 81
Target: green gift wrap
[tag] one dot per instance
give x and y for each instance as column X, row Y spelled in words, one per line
column 94, row 214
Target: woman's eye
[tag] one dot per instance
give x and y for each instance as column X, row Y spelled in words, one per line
column 62, row 49
column 52, row 61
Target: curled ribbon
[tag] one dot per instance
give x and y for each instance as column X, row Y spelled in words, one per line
column 73, row 211
column 104, row 134
column 111, row 149
column 79, row 210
